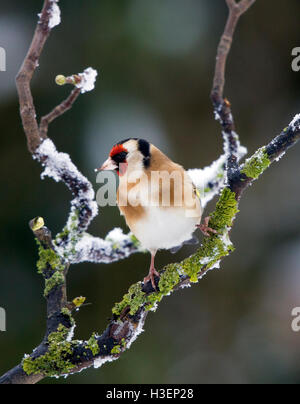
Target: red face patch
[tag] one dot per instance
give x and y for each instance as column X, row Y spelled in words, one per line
column 118, row 148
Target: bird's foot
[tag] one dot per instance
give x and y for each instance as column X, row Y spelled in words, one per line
column 151, row 277
column 205, row 228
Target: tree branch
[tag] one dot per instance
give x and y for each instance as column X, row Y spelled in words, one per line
column 256, row 165
column 23, row 79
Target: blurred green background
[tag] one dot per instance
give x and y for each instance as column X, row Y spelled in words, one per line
column 155, row 61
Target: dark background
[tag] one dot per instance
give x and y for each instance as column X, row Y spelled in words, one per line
column 155, row 61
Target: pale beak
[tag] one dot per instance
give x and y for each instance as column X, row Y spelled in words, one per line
column 109, row 164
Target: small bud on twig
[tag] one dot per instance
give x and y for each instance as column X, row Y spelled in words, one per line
column 37, row 223
column 85, row 81
column 60, row 80
column 78, row 301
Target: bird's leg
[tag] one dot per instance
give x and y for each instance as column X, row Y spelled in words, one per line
column 152, row 272
column 204, row 227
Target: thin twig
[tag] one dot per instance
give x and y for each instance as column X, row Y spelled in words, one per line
column 58, row 111
column 235, row 12
column 222, row 107
column 35, row 134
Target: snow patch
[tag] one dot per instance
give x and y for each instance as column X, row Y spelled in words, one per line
column 225, row 238
column 117, row 236
column 137, row 331
column 55, row 18
column 216, row 265
column 71, row 333
column 88, row 79
column 100, row 361
column 211, row 179
column 280, row 156
column 185, row 285
column 116, row 246
column 295, row 120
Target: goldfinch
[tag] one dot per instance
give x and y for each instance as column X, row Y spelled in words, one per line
column 156, row 196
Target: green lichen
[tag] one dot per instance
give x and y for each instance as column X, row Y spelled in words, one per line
column 152, row 300
column 116, row 350
column 216, row 246
column 56, row 279
column 134, row 298
column 48, row 257
column 211, row 251
column 168, row 280
column 226, row 209
column 51, row 262
column 257, row 164
column 92, row 344
column 54, row 361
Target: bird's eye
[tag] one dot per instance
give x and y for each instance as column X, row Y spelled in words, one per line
column 120, row 157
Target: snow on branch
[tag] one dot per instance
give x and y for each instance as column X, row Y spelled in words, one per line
column 115, row 247
column 59, row 167
column 211, row 180
column 54, row 19
column 88, row 79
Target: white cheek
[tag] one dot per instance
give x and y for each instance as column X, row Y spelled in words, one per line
column 135, row 165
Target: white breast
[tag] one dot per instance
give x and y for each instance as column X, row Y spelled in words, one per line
column 165, row 228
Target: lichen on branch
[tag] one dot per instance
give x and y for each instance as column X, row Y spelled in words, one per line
column 257, row 164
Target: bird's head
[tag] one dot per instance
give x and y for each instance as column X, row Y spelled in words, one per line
column 130, row 154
